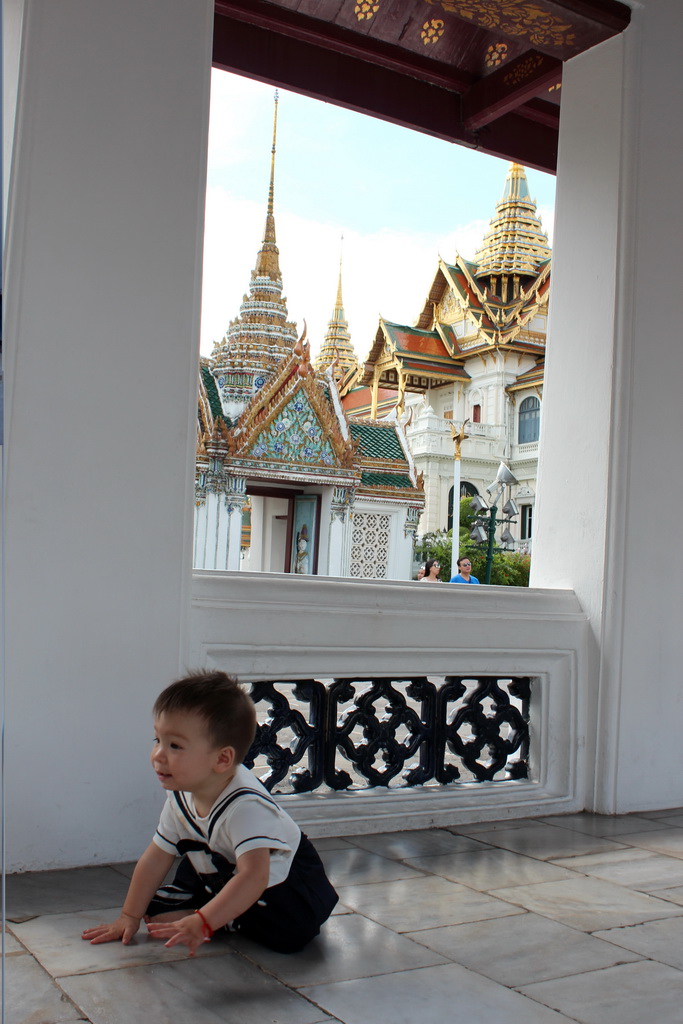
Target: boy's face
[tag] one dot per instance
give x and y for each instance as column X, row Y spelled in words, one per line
column 184, row 756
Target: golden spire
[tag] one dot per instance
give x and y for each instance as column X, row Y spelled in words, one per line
column 515, row 242
column 339, row 305
column 267, row 262
column 258, row 339
column 337, row 347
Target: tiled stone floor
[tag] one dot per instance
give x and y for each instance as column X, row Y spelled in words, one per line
column 576, row 918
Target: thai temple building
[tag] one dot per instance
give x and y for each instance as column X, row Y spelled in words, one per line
column 285, row 481
column 472, row 366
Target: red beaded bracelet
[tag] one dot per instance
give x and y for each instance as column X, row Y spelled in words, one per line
column 207, row 930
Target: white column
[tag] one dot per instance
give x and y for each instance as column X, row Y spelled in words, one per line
column 455, row 550
column 613, row 419
column 337, row 548
column 200, row 514
column 232, row 514
column 257, row 528
column 103, row 279
column 340, row 524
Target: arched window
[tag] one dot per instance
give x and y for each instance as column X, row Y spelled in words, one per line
column 467, row 490
column 476, row 414
column 529, row 421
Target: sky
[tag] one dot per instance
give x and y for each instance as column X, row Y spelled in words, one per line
column 387, row 200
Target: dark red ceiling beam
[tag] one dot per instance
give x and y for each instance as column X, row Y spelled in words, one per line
column 542, row 112
column 509, row 87
column 371, row 88
column 340, row 40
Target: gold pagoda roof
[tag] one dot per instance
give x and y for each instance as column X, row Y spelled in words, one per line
column 261, row 335
column 515, row 242
column 337, row 344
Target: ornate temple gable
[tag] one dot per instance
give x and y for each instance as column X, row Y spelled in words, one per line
column 410, row 359
column 476, row 311
column 382, row 347
column 292, row 428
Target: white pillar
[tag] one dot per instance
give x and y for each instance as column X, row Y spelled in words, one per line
column 340, row 524
column 200, row 538
column 257, row 528
column 610, row 462
column 103, row 278
column 455, row 549
column 233, row 529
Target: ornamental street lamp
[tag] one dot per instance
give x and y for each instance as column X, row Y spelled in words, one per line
column 486, row 522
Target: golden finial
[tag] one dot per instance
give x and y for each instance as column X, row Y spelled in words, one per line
column 267, row 263
column 458, row 436
column 339, row 304
column 270, row 220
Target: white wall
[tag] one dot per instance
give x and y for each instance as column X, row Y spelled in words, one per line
column 101, row 340
column 613, row 418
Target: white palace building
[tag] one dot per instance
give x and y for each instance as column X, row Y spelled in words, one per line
column 106, row 113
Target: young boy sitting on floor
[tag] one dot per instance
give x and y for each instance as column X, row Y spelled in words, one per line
column 246, row 866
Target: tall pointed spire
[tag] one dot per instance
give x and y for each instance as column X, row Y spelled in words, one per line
column 515, row 242
column 267, row 262
column 337, row 343
column 262, row 335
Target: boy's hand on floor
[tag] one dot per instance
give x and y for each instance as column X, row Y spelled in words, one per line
column 189, row 932
column 123, row 928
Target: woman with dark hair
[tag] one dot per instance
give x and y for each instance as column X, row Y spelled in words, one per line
column 432, row 570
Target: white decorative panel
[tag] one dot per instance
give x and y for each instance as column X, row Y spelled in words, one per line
column 370, row 545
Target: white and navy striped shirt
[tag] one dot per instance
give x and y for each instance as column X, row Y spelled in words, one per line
column 244, row 817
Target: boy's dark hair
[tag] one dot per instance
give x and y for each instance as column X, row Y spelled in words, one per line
column 227, row 709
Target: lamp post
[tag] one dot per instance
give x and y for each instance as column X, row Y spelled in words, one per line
column 458, row 437
column 485, row 529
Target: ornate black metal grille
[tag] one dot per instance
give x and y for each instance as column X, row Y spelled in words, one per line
column 390, row 732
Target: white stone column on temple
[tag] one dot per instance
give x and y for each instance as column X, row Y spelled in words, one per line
column 340, row 525
column 200, row 538
column 102, row 288
column 231, row 526
column 613, row 418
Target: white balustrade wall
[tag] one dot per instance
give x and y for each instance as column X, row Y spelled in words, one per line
column 277, row 627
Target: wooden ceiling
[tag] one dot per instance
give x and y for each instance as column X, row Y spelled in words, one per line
column 484, row 73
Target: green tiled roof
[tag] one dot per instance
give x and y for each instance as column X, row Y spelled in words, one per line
column 385, row 480
column 211, row 392
column 377, row 442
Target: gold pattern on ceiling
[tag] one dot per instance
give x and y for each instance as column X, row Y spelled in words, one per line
column 514, row 17
column 366, row 9
column 523, row 70
column 432, row 31
column 496, row 54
